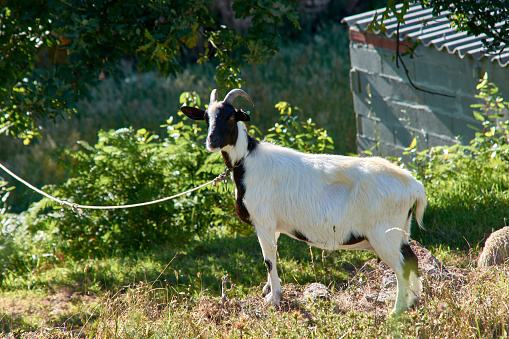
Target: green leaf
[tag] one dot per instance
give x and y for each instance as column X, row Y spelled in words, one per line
column 496, row 116
column 144, row 47
column 479, row 116
column 413, row 144
column 473, row 127
column 148, row 35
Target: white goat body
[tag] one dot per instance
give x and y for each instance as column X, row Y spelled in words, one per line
column 329, row 201
column 326, row 198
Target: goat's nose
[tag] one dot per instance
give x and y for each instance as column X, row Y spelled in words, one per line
column 213, row 141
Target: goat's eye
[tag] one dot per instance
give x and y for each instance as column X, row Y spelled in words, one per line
column 232, row 118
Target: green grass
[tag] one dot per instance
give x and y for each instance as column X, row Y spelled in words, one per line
column 198, row 267
column 167, row 292
column 193, row 272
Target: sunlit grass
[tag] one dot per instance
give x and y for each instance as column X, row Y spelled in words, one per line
column 474, row 304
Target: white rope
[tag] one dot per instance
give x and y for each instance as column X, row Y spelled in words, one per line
column 78, row 208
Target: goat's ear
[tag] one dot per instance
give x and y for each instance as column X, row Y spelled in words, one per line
column 193, row 112
column 240, row 115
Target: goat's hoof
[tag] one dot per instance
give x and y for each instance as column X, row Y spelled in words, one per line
column 266, row 290
column 396, row 312
column 273, row 298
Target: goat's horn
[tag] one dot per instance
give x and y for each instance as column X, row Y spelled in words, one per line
column 235, row 93
column 213, row 96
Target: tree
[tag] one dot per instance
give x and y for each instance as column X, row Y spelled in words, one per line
column 53, row 51
column 476, row 17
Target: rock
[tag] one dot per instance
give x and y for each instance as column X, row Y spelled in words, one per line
column 383, row 296
column 388, row 281
column 428, row 264
column 496, row 249
column 315, row 291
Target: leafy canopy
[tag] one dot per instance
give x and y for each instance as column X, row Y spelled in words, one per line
column 52, row 52
column 487, row 17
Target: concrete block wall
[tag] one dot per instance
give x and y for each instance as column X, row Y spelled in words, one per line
column 391, row 112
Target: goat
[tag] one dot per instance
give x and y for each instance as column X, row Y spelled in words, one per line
column 328, row 201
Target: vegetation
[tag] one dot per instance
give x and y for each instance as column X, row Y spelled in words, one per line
column 311, row 74
column 175, row 288
column 157, row 271
column 476, row 200
column 52, row 52
column 123, row 168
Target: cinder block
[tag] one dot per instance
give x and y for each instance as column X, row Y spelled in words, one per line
column 365, row 57
column 435, row 58
column 433, row 78
column 398, row 112
column 404, row 136
column 462, row 130
column 437, row 123
column 445, row 105
column 364, row 143
column 361, row 107
column 380, row 108
column 405, row 113
column 465, row 107
column 440, row 140
column 375, row 129
column 390, row 66
column 355, row 81
column 393, row 88
column 442, row 72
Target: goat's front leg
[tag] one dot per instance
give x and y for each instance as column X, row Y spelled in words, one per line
column 266, row 288
column 268, row 242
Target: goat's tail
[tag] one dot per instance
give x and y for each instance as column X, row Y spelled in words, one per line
column 420, row 206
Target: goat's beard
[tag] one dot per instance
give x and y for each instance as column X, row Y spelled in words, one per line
column 213, row 149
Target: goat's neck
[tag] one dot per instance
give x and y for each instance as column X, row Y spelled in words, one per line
column 234, row 154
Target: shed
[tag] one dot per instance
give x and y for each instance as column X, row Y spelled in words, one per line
column 389, row 110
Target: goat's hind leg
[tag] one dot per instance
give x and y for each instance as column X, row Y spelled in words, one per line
column 411, row 273
column 407, row 274
column 405, row 264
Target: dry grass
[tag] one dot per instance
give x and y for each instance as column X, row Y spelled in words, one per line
column 467, row 303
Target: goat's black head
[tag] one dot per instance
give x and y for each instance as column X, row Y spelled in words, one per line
column 221, row 117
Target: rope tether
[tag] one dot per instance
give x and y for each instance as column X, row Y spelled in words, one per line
column 78, row 208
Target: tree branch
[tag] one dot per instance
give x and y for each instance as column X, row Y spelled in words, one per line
column 400, row 58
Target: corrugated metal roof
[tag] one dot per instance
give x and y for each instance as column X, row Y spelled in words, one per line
column 421, row 25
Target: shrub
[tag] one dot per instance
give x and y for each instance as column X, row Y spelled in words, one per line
column 4, row 194
column 468, row 185
column 303, row 136
column 127, row 167
column 312, row 74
